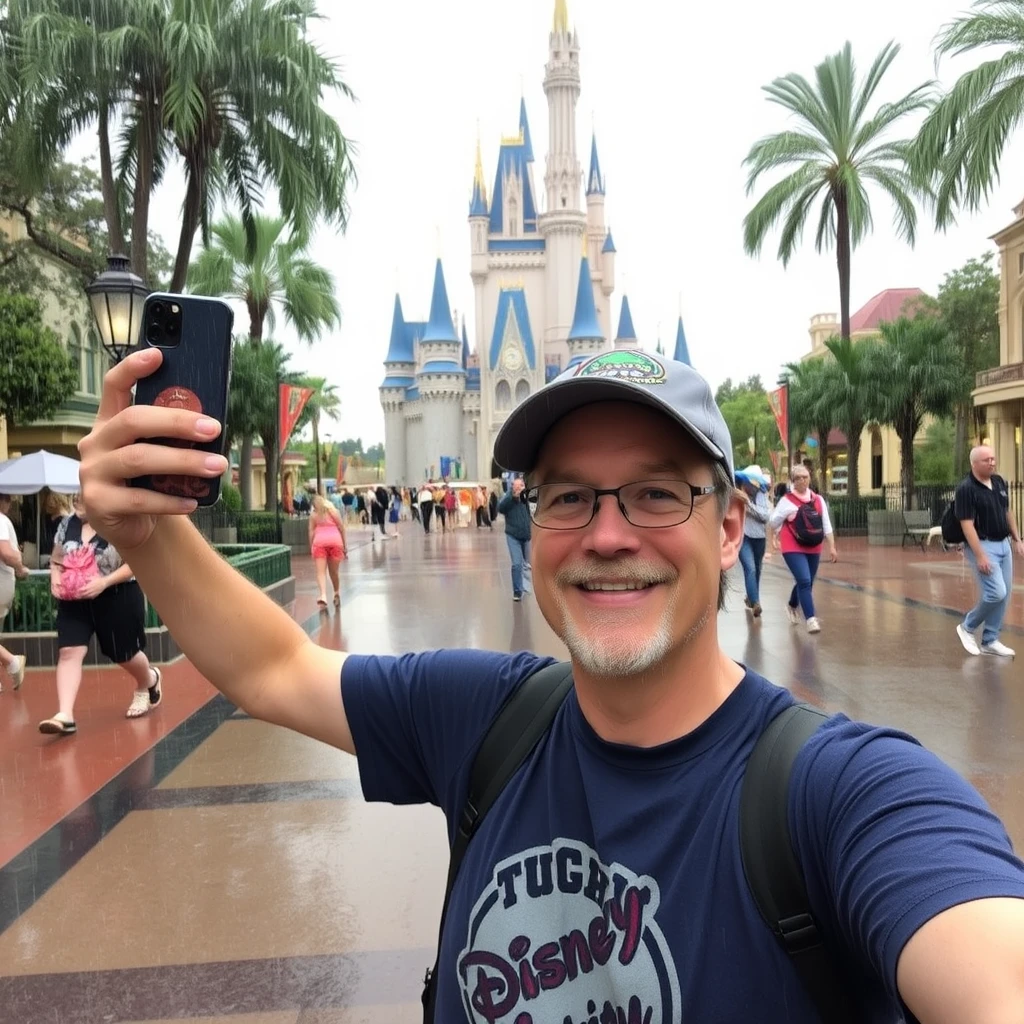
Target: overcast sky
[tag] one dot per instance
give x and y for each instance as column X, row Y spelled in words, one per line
column 674, row 93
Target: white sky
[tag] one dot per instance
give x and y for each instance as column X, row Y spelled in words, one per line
column 674, row 92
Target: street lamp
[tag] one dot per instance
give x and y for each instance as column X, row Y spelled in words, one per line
column 117, row 297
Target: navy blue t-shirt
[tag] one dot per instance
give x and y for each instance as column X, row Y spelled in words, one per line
column 606, row 882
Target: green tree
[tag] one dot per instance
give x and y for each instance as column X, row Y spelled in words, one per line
column 961, row 141
column 36, row 374
column 749, row 416
column 234, row 91
column 919, row 376
column 809, row 412
column 275, row 275
column 838, row 148
column 933, row 462
column 968, row 304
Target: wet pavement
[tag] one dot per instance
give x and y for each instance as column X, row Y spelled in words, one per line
column 199, row 865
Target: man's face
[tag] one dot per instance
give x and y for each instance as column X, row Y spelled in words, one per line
column 676, row 569
column 984, row 464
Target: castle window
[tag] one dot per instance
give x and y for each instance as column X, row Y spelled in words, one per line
column 522, row 390
column 512, row 228
column 503, row 396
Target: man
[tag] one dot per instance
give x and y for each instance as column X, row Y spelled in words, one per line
column 514, row 509
column 606, row 883
column 11, row 568
column 982, row 504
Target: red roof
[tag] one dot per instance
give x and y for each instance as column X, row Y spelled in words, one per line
column 884, row 307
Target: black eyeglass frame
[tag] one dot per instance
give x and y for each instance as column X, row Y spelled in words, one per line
column 695, row 493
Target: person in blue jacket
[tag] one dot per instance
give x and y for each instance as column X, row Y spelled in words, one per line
column 517, row 534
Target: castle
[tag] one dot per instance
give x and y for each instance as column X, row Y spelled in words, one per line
column 543, row 272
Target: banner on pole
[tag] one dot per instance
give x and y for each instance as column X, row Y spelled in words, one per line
column 779, row 401
column 292, row 400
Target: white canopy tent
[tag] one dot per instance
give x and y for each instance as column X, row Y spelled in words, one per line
column 29, row 474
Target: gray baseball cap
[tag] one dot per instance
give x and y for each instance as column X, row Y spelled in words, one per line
column 624, row 375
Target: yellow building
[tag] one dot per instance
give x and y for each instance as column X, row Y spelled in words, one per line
column 879, row 462
column 66, row 311
column 1000, row 391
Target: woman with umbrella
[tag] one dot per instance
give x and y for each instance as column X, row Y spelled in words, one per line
column 754, row 485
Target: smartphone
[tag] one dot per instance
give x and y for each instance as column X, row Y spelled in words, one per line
column 194, row 334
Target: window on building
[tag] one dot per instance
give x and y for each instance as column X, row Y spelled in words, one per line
column 503, row 396
column 1020, row 263
column 512, row 228
column 93, row 368
column 75, row 351
column 522, row 390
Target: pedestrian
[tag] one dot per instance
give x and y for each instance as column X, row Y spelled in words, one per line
column 754, row 485
column 97, row 595
column 328, row 546
column 440, row 509
column 12, row 568
column 982, row 505
column 426, row 499
column 609, row 878
column 517, row 533
column 395, row 510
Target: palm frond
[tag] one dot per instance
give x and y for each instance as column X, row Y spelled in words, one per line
column 773, row 204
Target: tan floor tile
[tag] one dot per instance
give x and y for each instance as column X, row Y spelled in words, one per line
column 401, row 1013
column 240, row 882
column 240, row 753
column 285, row 1017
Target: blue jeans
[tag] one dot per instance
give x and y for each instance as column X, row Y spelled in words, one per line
column 804, row 568
column 519, row 550
column 751, row 557
column 995, row 589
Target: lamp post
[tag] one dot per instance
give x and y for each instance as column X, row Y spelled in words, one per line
column 117, row 297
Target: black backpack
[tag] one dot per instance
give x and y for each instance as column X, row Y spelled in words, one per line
column 952, row 529
column 773, row 874
column 808, row 526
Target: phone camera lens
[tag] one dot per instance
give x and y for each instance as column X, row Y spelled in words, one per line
column 153, row 333
column 157, row 309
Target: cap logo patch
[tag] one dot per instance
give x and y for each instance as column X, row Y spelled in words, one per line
column 637, row 367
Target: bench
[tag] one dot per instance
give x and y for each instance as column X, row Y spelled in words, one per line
column 917, row 527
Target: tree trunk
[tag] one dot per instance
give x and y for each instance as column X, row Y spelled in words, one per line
column 906, row 432
column 273, row 475
column 843, row 263
column 111, row 207
column 189, row 225
column 822, row 457
column 963, row 416
column 143, row 186
column 245, row 472
column 316, row 450
column 853, row 439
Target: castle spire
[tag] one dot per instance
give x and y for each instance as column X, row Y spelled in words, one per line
column 561, row 23
column 524, row 131
column 626, row 331
column 478, row 203
column 682, row 352
column 398, row 347
column 595, row 181
column 584, row 322
column 440, row 326
column 465, row 345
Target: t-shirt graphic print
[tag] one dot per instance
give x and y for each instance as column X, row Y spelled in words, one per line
column 559, row 936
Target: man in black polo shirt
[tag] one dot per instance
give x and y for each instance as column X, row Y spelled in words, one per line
column 982, row 504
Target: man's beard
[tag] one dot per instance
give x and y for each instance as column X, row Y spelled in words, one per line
column 620, row 652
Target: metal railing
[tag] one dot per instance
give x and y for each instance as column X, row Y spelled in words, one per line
column 936, row 498
column 251, row 527
column 34, row 609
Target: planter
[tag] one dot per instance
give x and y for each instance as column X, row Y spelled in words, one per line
column 885, row 529
column 295, row 533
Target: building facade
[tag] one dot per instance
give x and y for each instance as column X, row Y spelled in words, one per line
column 543, row 276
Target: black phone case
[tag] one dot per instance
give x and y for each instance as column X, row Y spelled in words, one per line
column 195, row 374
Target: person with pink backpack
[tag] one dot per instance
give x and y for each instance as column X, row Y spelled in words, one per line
column 801, row 527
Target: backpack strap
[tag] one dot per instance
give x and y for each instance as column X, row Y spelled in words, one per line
column 773, row 874
column 518, row 727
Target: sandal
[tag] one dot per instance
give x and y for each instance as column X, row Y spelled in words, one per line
column 143, row 701
column 156, row 691
column 59, row 725
column 337, row 600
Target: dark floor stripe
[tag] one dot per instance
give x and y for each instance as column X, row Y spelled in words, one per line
column 31, row 873
column 250, row 793
column 281, row 984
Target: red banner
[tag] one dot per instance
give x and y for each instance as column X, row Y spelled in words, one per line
column 775, row 456
column 339, row 478
column 779, row 401
column 292, row 400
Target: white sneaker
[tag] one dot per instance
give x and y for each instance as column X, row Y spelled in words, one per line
column 794, row 615
column 813, row 625
column 17, row 670
column 998, row 649
column 968, row 640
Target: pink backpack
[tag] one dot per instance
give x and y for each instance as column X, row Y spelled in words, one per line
column 79, row 568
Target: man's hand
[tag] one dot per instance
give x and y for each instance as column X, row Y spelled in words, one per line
column 1019, row 547
column 984, row 565
column 113, row 453
column 22, row 572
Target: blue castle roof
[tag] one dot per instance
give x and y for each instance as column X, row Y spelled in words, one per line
column 473, row 378
column 398, row 382
column 595, row 182
column 584, row 321
column 412, row 394
column 400, row 347
column 514, row 157
column 439, row 326
column 524, row 129
column 465, row 346
column 512, row 302
column 626, row 330
column 477, row 204
column 682, row 352
column 609, row 244
column 442, row 366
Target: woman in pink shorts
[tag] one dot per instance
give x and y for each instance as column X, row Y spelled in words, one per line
column 327, row 544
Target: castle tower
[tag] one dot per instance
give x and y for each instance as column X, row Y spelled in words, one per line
column 400, row 369
column 625, row 336
column 585, row 336
column 441, row 379
column 682, row 352
column 602, row 261
column 563, row 222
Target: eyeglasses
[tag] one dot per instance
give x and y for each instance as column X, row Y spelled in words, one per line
column 647, row 503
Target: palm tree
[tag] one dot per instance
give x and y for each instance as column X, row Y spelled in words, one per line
column 838, row 149
column 808, row 413
column 325, row 402
column 920, row 376
column 233, row 89
column 849, row 390
column 962, row 139
column 276, row 274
